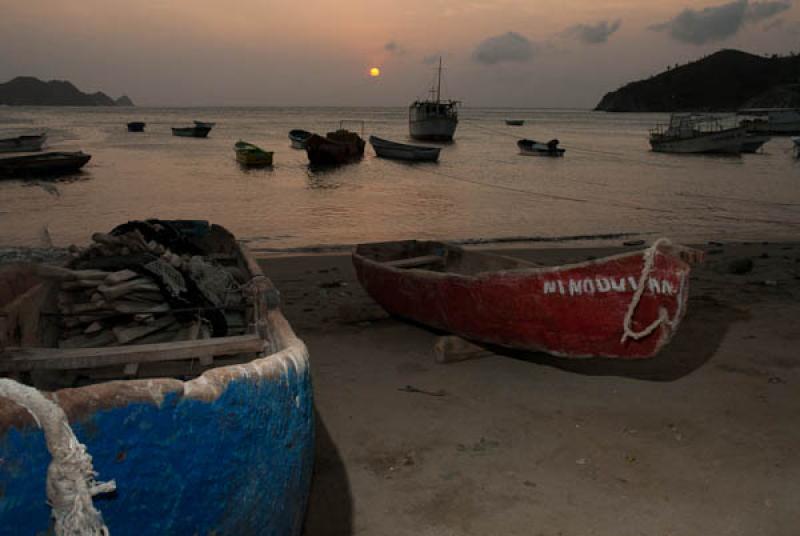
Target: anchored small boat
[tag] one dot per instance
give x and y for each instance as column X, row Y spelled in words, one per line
column 625, row 306
column 54, row 163
column 206, row 435
column 697, row 133
column 536, row 148
column 23, row 144
column 515, row 122
column 403, row 151
column 136, row 126
column 338, row 147
column 204, row 124
column 299, row 138
column 191, row 132
column 251, row 155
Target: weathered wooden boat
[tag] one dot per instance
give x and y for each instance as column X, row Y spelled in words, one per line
column 211, row 436
column 299, row 138
column 338, row 147
column 625, row 306
column 248, row 154
column 23, row 144
column 697, row 133
column 44, row 164
column 515, row 122
column 433, row 119
column 191, row 132
column 403, row 151
column 204, row 124
column 136, row 126
column 536, row 148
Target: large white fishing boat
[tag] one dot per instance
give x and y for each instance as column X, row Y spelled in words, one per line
column 697, row 133
column 433, row 119
column 775, row 121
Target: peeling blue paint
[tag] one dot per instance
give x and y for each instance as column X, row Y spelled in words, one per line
column 238, row 465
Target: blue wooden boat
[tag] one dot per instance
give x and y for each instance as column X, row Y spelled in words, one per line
column 228, row 451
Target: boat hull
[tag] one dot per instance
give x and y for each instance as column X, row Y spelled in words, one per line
column 728, row 141
column 247, row 158
column 43, row 164
column 754, row 142
column 402, row 151
column 570, row 311
column 432, row 128
column 299, row 138
column 191, row 132
column 337, row 148
column 229, row 452
column 23, row 144
column 136, row 126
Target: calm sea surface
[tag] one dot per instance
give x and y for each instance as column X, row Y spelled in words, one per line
column 608, row 182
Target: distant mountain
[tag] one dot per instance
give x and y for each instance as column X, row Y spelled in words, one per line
column 724, row 81
column 30, row 91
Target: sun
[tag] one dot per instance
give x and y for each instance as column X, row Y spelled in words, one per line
column 374, row 72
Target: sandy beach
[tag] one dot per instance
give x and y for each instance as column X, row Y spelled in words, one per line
column 699, row 440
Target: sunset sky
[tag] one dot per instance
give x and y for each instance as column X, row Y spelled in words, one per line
column 538, row 53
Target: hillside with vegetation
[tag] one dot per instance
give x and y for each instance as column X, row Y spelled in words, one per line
column 30, row 91
column 724, row 81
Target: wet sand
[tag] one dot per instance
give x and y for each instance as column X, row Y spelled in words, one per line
column 701, row 439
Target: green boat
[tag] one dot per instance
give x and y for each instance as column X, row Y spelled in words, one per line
column 248, row 154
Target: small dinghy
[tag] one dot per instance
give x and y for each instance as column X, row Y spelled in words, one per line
column 23, row 144
column 299, row 138
column 535, row 148
column 191, row 132
column 515, row 122
column 248, row 154
column 45, row 164
column 136, row 126
column 199, row 409
column 403, row 151
column 626, row 306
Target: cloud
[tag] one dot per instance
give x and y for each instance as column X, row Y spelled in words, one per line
column 758, row 11
column 394, row 47
column 593, row 34
column 719, row 22
column 507, row 47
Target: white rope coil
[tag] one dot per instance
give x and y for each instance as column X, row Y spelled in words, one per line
column 70, row 477
column 649, row 257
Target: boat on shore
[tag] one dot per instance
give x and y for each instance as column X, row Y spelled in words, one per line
column 191, row 132
column 43, row 164
column 433, row 119
column 338, row 147
column 208, row 435
column 136, row 126
column 515, row 122
column 248, row 154
column 625, row 306
column 402, row 151
column 536, row 148
column 697, row 133
column 772, row 121
column 299, row 138
column 23, row 144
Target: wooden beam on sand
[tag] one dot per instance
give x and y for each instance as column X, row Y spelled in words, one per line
column 24, row 359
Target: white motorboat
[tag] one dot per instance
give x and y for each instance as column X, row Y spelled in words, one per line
column 774, row 121
column 403, row 151
column 697, row 133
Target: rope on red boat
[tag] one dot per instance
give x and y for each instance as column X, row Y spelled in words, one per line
column 649, row 257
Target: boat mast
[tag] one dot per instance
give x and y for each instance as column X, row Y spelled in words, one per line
column 439, row 82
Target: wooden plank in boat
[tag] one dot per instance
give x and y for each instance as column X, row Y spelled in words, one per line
column 415, row 261
column 19, row 359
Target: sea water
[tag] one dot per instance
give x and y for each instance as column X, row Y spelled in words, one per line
column 609, row 185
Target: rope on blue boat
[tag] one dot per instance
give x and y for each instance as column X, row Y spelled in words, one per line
column 70, row 477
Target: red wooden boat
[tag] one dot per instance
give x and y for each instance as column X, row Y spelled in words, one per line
column 625, row 306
